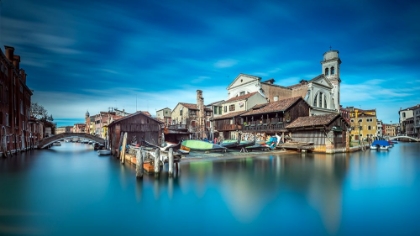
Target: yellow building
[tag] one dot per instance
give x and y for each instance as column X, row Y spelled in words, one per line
column 363, row 123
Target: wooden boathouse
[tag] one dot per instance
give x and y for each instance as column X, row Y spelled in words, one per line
column 327, row 133
column 139, row 126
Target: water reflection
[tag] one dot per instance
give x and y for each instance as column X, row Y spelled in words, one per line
column 61, row 192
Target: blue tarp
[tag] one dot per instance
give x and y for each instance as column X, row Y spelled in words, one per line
column 380, row 143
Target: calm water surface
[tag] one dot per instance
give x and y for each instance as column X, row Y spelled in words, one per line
column 70, row 190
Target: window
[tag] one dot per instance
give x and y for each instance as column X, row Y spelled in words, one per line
column 220, row 110
column 21, row 107
column 225, row 109
column 316, row 101
column 332, row 70
column 326, row 71
column 360, row 120
column 215, row 110
column 369, row 127
column 232, row 107
column 242, row 93
column 180, row 112
column 320, row 100
column 403, row 114
column 351, row 120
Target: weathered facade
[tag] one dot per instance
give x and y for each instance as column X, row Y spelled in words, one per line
column 262, row 119
column 164, row 115
column 15, row 103
column 185, row 121
column 328, row 132
column 139, row 126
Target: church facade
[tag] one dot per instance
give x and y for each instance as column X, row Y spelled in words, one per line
column 322, row 93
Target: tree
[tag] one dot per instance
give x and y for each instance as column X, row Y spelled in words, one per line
column 39, row 112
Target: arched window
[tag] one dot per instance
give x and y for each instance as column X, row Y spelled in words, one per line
column 332, row 70
column 326, row 71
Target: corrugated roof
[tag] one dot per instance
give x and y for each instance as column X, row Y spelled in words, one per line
column 242, row 97
column 312, row 121
column 280, row 105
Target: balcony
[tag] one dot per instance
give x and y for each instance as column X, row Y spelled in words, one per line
column 228, row 127
column 178, row 127
column 262, row 125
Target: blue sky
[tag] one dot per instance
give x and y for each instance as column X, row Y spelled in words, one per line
column 147, row 55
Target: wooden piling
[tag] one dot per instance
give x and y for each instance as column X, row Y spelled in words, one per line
column 171, row 161
column 156, row 162
column 122, row 154
column 139, row 163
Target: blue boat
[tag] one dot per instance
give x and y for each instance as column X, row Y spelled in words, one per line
column 380, row 145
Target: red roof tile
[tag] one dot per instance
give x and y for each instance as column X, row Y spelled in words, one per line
column 312, row 121
column 230, row 115
column 280, row 105
column 242, row 97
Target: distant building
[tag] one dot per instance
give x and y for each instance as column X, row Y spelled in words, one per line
column 164, row 115
column 64, row 129
column 405, row 116
column 363, row 123
column 79, row 128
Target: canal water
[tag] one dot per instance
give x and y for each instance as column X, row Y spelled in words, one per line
column 70, row 190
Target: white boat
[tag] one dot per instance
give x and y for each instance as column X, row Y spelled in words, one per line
column 57, row 143
column 104, row 152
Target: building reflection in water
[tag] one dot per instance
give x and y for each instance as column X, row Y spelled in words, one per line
column 248, row 186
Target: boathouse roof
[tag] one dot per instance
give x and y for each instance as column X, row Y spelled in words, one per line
column 132, row 115
column 280, row 105
column 313, row 121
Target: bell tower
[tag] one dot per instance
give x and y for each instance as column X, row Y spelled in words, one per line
column 331, row 71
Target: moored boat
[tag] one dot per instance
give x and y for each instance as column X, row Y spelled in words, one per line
column 104, row 152
column 199, row 145
column 380, row 145
column 229, row 143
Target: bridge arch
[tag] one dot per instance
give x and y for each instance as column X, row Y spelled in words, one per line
column 49, row 140
column 404, row 137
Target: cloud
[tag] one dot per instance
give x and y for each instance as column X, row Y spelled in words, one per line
column 225, row 63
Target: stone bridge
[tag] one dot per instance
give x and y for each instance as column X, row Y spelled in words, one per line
column 49, row 140
column 405, row 137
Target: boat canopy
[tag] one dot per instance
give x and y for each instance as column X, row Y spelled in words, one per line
column 380, row 142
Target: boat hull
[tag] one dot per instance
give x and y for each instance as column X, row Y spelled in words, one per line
column 198, row 145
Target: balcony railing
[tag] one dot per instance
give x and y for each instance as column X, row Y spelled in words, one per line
column 228, row 127
column 178, row 126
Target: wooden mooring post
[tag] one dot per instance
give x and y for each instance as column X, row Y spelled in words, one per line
column 171, row 161
column 156, row 163
column 139, row 163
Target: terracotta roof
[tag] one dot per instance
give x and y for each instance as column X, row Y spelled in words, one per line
column 411, row 108
column 189, row 105
column 312, row 121
column 243, row 97
column 303, row 82
column 230, row 115
column 280, row 105
column 147, row 113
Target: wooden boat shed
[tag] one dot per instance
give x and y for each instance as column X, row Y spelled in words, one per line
column 328, row 133
column 139, row 126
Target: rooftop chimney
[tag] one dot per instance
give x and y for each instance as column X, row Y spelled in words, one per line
column 16, row 61
column 9, row 52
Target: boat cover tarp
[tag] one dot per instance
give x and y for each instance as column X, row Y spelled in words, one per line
column 380, row 143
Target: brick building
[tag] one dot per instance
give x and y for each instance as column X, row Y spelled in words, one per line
column 15, row 102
